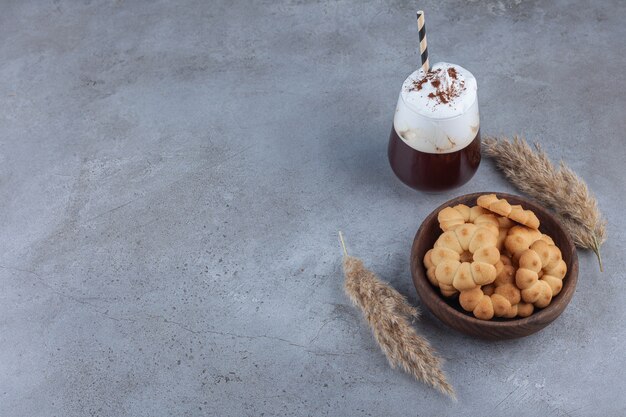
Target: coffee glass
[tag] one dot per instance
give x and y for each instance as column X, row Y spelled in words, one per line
column 435, row 139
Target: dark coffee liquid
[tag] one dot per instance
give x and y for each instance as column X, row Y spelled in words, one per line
column 433, row 171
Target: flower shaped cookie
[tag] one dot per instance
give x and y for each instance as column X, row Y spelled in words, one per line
column 462, row 259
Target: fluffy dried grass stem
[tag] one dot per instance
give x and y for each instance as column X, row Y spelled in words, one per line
column 532, row 172
column 388, row 314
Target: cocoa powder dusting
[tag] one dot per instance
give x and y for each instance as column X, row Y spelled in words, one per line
column 417, row 85
column 443, row 96
column 445, row 92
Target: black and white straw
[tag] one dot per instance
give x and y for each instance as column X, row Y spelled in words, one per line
column 423, row 44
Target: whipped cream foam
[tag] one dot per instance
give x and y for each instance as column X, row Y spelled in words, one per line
column 437, row 112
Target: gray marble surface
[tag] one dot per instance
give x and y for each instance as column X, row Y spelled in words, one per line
column 173, row 176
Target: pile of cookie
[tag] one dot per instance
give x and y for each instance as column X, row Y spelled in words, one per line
column 495, row 258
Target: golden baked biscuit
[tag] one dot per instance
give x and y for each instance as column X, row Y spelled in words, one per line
column 446, row 290
column 525, row 309
column 492, row 203
column 451, row 217
column 505, row 293
column 485, row 304
column 497, row 299
column 514, row 212
column 504, row 225
column 476, row 301
column 462, row 258
column 506, row 271
column 477, row 256
column 540, row 274
column 519, row 239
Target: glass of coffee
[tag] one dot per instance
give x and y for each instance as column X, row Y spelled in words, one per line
column 435, row 139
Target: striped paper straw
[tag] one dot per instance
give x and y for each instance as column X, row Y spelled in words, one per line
column 423, row 44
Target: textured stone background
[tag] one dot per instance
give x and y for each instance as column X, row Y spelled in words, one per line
column 173, row 175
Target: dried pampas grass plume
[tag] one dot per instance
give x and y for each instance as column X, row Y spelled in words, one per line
column 532, row 172
column 388, row 313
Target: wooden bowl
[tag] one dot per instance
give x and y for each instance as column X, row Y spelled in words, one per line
column 450, row 312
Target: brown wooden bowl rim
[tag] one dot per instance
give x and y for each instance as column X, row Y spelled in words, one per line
column 538, row 317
